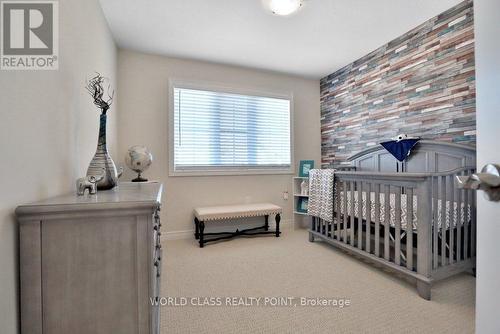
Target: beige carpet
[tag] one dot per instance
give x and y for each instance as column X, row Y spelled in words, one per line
column 292, row 266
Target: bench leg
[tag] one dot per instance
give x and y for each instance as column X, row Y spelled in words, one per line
column 277, row 219
column 196, row 228
column 266, row 226
column 202, row 229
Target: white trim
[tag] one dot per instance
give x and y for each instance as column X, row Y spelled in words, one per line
column 188, row 234
column 218, row 87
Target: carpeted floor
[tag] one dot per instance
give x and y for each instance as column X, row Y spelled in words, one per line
column 293, row 267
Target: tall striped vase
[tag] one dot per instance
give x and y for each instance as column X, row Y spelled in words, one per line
column 102, row 162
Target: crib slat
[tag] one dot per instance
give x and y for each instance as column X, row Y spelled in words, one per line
column 339, row 214
column 409, row 228
column 466, row 222
column 442, row 182
column 459, row 224
column 353, row 189
column 336, row 214
column 387, row 220
column 344, row 239
column 368, row 216
column 474, row 224
column 397, row 234
column 377, row 220
column 435, row 222
column 360, row 215
column 451, row 228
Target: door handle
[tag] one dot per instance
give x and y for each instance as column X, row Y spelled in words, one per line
column 488, row 181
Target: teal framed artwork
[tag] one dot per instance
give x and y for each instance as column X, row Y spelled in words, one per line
column 304, row 167
column 302, row 204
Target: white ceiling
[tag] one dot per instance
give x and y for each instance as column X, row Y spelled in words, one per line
column 323, row 36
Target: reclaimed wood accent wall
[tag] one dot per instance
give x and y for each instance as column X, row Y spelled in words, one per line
column 421, row 84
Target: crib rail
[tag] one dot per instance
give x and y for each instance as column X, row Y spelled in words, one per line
column 454, row 241
column 418, row 223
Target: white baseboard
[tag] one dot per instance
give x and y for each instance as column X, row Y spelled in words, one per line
column 188, row 234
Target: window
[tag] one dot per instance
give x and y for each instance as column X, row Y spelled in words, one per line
column 216, row 132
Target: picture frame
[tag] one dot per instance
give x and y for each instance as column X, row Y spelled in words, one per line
column 302, row 204
column 304, row 167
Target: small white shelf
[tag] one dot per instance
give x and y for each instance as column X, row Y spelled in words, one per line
column 300, row 218
column 300, row 213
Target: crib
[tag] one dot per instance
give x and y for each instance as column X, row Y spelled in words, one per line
column 409, row 218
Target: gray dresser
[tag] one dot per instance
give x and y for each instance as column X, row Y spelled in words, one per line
column 91, row 264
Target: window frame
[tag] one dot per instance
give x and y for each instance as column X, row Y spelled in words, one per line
column 216, row 87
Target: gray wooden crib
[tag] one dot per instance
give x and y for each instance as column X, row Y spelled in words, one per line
column 415, row 222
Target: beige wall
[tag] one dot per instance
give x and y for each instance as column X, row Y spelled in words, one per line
column 143, row 99
column 48, row 131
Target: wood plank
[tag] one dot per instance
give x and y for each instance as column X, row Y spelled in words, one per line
column 344, row 239
column 360, row 215
column 442, row 182
column 424, row 242
column 451, row 211
column 368, row 217
column 474, row 224
column 336, row 232
column 397, row 234
column 387, row 221
column 452, row 269
column 30, row 277
column 409, row 228
column 466, row 222
column 377, row 219
column 352, row 213
column 459, row 224
column 435, row 231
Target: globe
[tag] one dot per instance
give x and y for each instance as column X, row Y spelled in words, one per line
column 138, row 159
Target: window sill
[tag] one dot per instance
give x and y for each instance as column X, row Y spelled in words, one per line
column 230, row 172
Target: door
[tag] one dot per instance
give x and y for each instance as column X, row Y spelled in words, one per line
column 487, row 34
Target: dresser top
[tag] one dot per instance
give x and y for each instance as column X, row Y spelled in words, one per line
column 127, row 195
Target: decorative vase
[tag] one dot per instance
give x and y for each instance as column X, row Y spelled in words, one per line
column 304, row 188
column 102, row 162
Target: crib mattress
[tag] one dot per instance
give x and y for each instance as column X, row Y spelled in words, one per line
column 461, row 211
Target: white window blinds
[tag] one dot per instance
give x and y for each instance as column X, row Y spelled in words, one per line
column 221, row 131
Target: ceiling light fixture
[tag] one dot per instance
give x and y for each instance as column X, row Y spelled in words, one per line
column 284, row 7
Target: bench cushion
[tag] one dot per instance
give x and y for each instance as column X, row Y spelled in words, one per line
column 236, row 211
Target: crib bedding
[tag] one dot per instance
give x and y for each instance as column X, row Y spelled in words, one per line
column 464, row 212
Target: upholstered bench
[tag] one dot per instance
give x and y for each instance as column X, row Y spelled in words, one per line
column 213, row 213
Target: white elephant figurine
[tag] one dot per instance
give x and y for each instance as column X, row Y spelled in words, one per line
column 88, row 182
